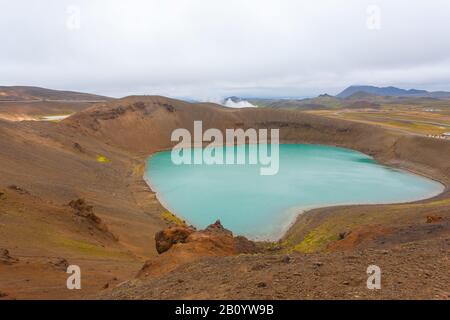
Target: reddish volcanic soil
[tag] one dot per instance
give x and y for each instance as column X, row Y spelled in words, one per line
column 72, row 193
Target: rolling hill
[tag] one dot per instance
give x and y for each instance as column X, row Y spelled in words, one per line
column 391, row 92
column 25, row 93
column 357, row 97
column 32, row 103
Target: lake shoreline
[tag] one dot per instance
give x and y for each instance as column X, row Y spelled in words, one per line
column 288, row 226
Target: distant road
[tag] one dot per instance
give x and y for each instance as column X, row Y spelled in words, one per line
column 440, row 124
column 372, row 120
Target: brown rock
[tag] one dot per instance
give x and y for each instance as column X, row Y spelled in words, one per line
column 140, row 105
column 6, row 258
column 217, row 227
column 243, row 245
column 258, row 267
column 83, row 209
column 180, row 245
column 78, row 147
column 60, row 263
column 286, row 259
column 165, row 239
column 354, row 238
column 86, row 211
column 343, row 235
column 18, row 189
column 261, row 285
column 169, row 107
column 317, row 264
column 433, row 218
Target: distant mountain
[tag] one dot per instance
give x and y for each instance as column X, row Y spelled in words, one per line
column 24, row 93
column 323, row 101
column 361, row 95
column 391, row 92
column 355, row 98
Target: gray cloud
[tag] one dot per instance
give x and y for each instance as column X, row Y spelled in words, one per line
column 211, row 49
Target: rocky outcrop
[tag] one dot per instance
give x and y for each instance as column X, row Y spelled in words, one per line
column 165, row 239
column 59, row 263
column 325, row 275
column 433, row 218
column 82, row 209
column 5, row 257
column 17, row 189
column 181, row 244
column 217, row 227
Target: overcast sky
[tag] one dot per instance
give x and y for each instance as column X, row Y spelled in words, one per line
column 210, row 49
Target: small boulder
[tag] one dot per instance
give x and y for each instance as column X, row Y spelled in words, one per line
column 261, row 285
column 60, row 263
column 286, row 259
column 165, row 239
column 243, row 245
column 258, row 267
column 317, row 264
column 6, row 258
column 433, row 218
column 78, row 147
column 170, row 108
column 82, row 209
column 140, row 105
column 86, row 211
column 343, row 235
column 217, row 227
column 18, row 189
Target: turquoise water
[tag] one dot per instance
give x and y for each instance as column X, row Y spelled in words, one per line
column 263, row 207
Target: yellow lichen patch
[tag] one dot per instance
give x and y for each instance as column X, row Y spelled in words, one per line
column 138, row 170
column 102, row 159
column 171, row 218
column 442, row 202
column 435, row 203
column 314, row 241
column 88, row 248
column 274, row 246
